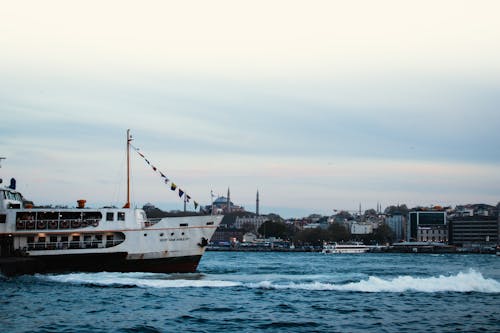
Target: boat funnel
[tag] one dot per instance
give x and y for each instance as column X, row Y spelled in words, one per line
column 81, row 203
column 12, row 184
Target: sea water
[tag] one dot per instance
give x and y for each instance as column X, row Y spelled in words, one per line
column 267, row 292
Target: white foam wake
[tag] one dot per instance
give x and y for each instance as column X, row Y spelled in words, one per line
column 138, row 280
column 471, row 281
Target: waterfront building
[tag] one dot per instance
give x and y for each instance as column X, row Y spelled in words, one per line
column 243, row 222
column 433, row 219
column 226, row 235
column 474, row 231
column 313, row 225
column 361, row 228
column 475, row 210
column 249, row 237
column 434, row 233
column 397, row 223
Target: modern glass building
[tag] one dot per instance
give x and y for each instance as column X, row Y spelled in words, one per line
column 424, row 218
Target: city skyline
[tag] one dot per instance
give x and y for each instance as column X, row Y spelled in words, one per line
column 318, row 106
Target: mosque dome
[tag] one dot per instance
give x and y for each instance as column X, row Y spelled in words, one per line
column 221, row 201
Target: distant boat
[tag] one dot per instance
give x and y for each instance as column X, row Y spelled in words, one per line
column 34, row 240
column 335, row 248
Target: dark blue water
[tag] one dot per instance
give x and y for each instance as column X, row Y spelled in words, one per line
column 267, row 292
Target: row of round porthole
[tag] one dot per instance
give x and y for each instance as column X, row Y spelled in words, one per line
column 161, row 235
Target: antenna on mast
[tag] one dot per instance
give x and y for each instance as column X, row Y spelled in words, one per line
column 129, row 138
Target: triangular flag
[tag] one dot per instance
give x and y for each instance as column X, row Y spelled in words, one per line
column 195, row 204
column 166, row 180
column 141, row 155
column 187, row 198
column 173, row 186
column 147, row 161
column 154, row 168
column 161, row 174
column 181, row 193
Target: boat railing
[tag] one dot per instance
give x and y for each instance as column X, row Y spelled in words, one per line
column 71, row 245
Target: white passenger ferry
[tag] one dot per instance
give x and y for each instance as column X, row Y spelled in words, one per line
column 105, row 239
column 344, row 248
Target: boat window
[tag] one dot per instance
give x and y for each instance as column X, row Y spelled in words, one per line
column 98, row 237
column 210, row 223
column 3, row 218
column 70, row 215
column 31, row 239
column 41, row 239
column 92, row 215
column 121, row 216
column 64, row 238
column 76, row 238
column 25, row 216
column 110, row 216
column 183, row 224
column 109, row 240
column 53, row 239
column 48, row 215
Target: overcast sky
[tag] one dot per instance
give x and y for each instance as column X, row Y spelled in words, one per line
column 320, row 105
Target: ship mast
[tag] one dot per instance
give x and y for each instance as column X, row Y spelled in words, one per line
column 129, row 138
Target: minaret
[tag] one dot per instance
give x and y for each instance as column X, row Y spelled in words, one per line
column 228, row 201
column 257, row 204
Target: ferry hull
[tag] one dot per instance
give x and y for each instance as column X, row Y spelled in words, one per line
column 98, row 262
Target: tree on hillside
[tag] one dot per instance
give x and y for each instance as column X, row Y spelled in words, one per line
column 314, row 237
column 273, row 229
column 370, row 212
column 248, row 227
column 274, row 217
column 383, row 234
column 343, row 214
column 399, row 209
column 338, row 232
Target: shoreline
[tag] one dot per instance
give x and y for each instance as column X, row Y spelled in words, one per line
column 318, row 250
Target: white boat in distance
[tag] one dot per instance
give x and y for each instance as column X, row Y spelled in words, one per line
column 40, row 240
column 344, row 248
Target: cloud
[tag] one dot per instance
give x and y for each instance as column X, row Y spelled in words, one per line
column 319, row 105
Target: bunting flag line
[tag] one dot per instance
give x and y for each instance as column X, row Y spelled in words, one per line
column 166, row 180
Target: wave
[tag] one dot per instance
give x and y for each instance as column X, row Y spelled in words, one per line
column 143, row 280
column 471, row 281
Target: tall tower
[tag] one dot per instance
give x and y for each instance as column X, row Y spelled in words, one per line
column 257, row 204
column 228, row 201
